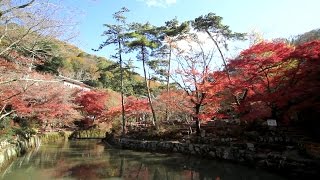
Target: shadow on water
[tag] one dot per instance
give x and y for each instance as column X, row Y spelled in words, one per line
column 88, row 159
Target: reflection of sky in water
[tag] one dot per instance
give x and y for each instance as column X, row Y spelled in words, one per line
column 89, row 160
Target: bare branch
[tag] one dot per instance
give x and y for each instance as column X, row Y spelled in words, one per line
column 16, row 7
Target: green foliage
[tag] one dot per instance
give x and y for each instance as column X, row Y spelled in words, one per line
column 213, row 24
column 24, row 132
column 173, row 28
column 52, row 66
column 142, row 35
column 93, row 83
column 5, row 123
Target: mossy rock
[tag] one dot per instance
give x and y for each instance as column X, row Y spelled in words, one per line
column 88, row 134
column 55, row 136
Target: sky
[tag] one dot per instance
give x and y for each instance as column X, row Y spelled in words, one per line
column 272, row 18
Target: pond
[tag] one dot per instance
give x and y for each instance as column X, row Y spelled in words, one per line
column 87, row 159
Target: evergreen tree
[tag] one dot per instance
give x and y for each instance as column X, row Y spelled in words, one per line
column 143, row 38
column 115, row 36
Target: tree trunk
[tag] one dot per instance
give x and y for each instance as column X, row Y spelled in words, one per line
column 196, row 119
column 168, row 81
column 154, row 119
column 274, row 111
column 198, row 128
column 124, row 130
column 224, row 63
column 221, row 55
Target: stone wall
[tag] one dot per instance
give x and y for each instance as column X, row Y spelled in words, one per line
column 11, row 150
column 288, row 162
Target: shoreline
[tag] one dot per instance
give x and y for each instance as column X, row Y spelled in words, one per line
column 288, row 163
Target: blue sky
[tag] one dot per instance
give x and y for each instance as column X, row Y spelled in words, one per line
column 273, row 18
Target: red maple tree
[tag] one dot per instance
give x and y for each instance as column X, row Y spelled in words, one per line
column 92, row 103
column 174, row 103
column 134, row 108
column 273, row 78
column 35, row 96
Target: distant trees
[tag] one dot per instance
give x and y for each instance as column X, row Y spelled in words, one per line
column 306, row 37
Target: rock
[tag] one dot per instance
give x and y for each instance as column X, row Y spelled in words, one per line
column 253, row 135
column 260, row 138
column 270, row 139
column 290, row 147
column 203, row 133
column 250, row 146
column 197, row 149
column 212, row 154
column 226, row 154
column 261, row 156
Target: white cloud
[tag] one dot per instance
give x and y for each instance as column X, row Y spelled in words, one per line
column 159, row 3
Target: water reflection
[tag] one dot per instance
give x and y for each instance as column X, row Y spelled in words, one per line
column 90, row 160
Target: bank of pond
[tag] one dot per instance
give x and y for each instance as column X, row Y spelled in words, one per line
column 89, row 159
column 54, row 158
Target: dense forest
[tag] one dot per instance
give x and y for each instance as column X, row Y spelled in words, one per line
column 187, row 76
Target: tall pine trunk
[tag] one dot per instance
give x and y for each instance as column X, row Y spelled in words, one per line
column 154, row 119
column 168, row 81
column 124, row 130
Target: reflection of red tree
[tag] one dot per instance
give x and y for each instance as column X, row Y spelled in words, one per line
column 190, row 174
column 84, row 171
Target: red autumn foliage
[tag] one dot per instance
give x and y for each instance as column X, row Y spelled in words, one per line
column 92, row 103
column 134, row 107
column 46, row 103
column 303, row 86
column 176, row 103
column 40, row 98
column 276, row 79
column 214, row 95
column 259, row 72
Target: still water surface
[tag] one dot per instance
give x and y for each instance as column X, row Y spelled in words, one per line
column 86, row 159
